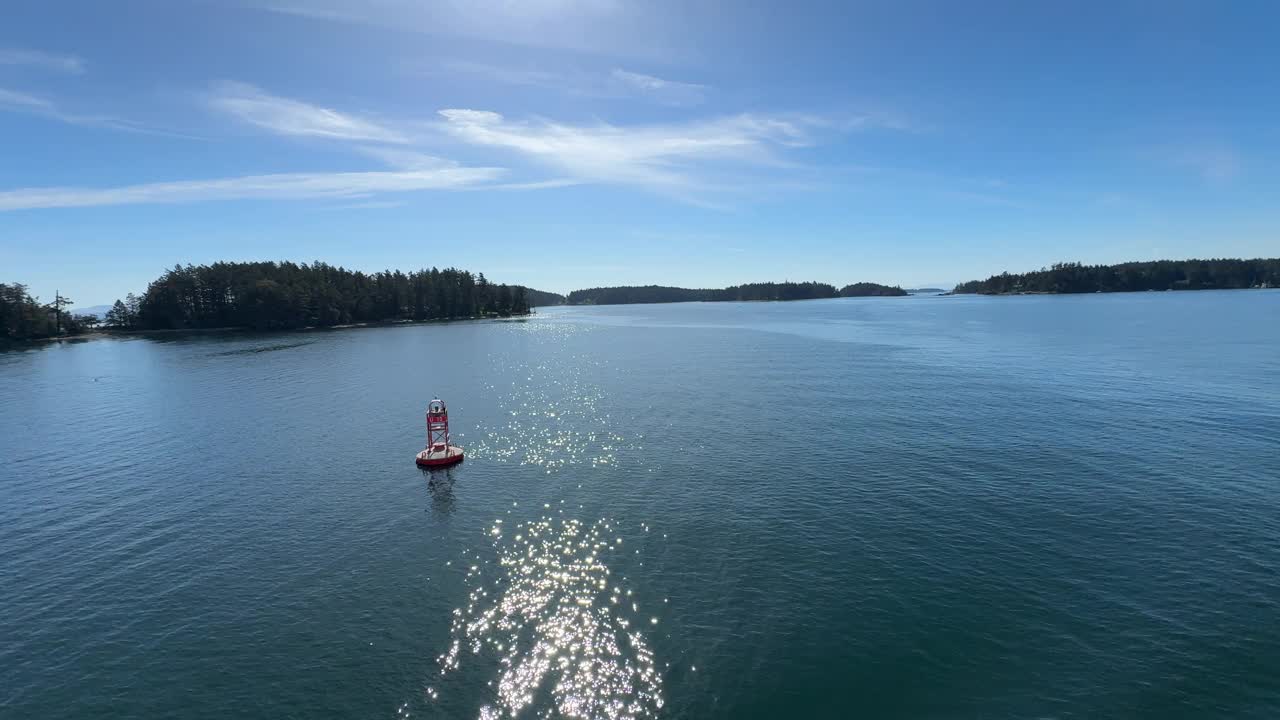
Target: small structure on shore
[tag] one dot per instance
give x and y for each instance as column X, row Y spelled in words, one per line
column 438, row 451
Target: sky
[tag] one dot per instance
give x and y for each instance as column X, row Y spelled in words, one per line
column 563, row 144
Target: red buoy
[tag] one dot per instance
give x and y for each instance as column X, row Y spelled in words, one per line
column 439, row 452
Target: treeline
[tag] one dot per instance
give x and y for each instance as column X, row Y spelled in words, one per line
column 279, row 296
column 539, row 298
column 23, row 317
column 870, row 289
column 775, row 291
column 1133, row 276
column 628, row 295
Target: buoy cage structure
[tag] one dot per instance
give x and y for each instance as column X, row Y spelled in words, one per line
column 439, row 452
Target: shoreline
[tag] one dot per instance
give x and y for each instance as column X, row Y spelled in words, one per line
column 729, row 302
column 108, row 334
column 1106, row 292
column 948, row 293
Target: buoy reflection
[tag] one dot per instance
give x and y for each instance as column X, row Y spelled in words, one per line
column 440, row 485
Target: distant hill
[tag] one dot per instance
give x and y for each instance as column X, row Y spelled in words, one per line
column 99, row 310
column 924, row 291
column 541, row 298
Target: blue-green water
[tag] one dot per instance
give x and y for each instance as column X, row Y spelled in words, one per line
column 1023, row 507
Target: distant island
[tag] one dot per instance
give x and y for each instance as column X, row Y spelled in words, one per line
column 1067, row 277
column 638, row 294
column 286, row 295
column 924, row 291
column 870, row 289
column 274, row 296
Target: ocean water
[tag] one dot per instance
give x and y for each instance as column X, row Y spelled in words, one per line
column 927, row 507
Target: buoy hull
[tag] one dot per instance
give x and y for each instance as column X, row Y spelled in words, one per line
column 439, row 458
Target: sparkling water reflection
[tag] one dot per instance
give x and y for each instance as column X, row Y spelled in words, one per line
column 565, row 630
column 554, row 419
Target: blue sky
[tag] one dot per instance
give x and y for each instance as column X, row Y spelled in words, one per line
column 571, row 143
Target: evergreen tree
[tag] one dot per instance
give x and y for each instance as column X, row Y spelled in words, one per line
column 118, row 316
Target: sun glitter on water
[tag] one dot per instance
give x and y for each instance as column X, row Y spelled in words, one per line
column 565, row 633
column 554, row 418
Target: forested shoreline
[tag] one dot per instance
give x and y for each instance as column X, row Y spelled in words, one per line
column 283, row 296
column 751, row 292
column 24, row 317
column 540, row 298
column 274, row 296
column 286, row 295
column 1067, row 277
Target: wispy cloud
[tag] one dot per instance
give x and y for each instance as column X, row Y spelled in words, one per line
column 977, row 190
column 668, row 92
column 21, row 101
column 617, row 84
column 535, row 185
column 292, row 186
column 671, row 158
column 371, row 205
column 402, row 158
column 1213, row 162
column 518, row 76
column 12, row 101
column 687, row 160
column 69, row 64
column 292, row 117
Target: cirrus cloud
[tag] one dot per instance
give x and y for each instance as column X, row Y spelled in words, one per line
column 670, row 157
column 25, row 103
column 285, row 186
column 69, row 64
column 667, row 92
column 293, row 117
column 688, row 160
column 617, row 84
